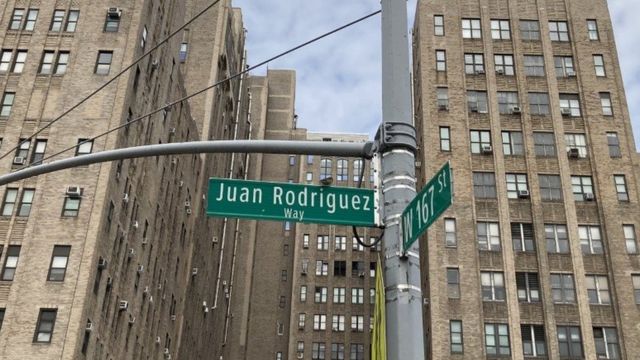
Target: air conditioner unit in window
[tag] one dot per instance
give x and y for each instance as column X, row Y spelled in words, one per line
column 109, row 283
column 443, row 107
column 88, row 327
column 573, row 153
column 500, row 71
column 188, row 211
column 140, row 269
column 300, row 355
column 523, row 194
column 102, row 263
column 74, row 191
column 19, row 160
column 361, row 274
column 473, row 109
column 124, row 305
column 571, row 73
column 516, row 110
column 157, row 339
column 125, row 198
column 588, row 197
column 194, row 271
column 487, row 149
column 114, row 12
column 565, row 112
column 173, row 317
column 187, row 204
column 479, row 72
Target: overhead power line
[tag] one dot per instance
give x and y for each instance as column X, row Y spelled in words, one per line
column 94, row 92
column 248, row 69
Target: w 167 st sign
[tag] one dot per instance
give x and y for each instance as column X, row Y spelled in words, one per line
column 291, row 202
column 425, row 208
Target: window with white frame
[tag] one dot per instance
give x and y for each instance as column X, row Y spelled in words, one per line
column 517, row 186
column 319, row 322
column 471, row 29
column 528, row 287
column 341, row 243
column 559, row 31
column 339, row 295
column 302, row 317
column 357, row 296
column 500, row 30
column 590, row 239
column 303, row 293
column 496, row 339
column 630, row 239
column 357, row 323
column 337, row 323
column 581, row 185
column 492, row 283
column 342, row 171
column 607, row 343
column 598, row 289
column 305, row 241
column 576, row 141
column 563, row 289
column 323, row 242
column 450, row 237
column 557, row 238
column 512, row 143
column 325, row 168
column 533, row 341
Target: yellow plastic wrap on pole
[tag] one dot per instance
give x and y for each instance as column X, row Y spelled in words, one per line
column 379, row 334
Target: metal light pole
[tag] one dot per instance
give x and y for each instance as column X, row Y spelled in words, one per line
column 397, row 141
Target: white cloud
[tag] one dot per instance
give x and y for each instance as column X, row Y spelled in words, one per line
column 338, row 78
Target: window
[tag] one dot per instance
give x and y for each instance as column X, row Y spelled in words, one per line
column 473, row 64
column 484, row 185
column 56, row 22
column 438, row 25
column 326, row 167
column 504, row 65
column 605, row 101
column 530, row 30
column 441, row 60
column 492, row 286
column 545, row 144
column 300, row 348
column 322, row 268
column 445, row 138
column 7, row 104
column 305, row 241
column 606, row 339
column 184, row 50
column 5, row 60
column 590, row 239
column 143, row 37
column 358, row 170
column 598, row 290
column 22, row 152
column 72, row 21
column 2, row 310
column 569, row 342
column 621, row 187
column 112, row 22
column 323, row 242
column 339, row 268
column 320, row 295
column 534, row 65
column 10, row 198
column 479, row 140
column 337, row 351
column 372, row 269
column 517, row 186
column 522, row 237
column 614, row 145
column 103, row 64
column 558, row 31
column 539, row 103
column 85, row 146
column 46, row 66
column 507, row 102
column 61, row 63
column 337, row 323
column 357, row 352
column 16, row 19
column 443, row 98
column 477, row 101
column 38, row 151
column 496, row 339
column 342, row 170
column 44, row 328
column 11, row 263
column 309, row 176
column 339, row 295
column 592, row 27
column 576, row 141
column 528, row 287
column 569, row 104
column 317, row 351
column 357, row 323
column 32, row 16
column 598, row 63
column 471, row 29
column 557, row 239
column 319, row 322
column 71, row 206
column 500, row 30
column 453, row 283
column 564, row 66
column 512, row 143
column 563, row 290
column 341, row 243
column 303, row 293
column 533, row 343
column 356, row 246
column 630, row 238
column 636, row 289
column 25, row 202
column 450, row 238
column 581, row 186
column 455, row 336
column 18, row 64
column 59, row 261
column 357, row 296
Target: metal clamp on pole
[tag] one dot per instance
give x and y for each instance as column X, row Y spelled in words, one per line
column 394, row 135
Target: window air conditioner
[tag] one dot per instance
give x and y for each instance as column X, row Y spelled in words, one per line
column 114, row 12
column 487, row 149
column 588, row 197
column 573, row 153
column 74, row 191
column 565, row 112
column 18, row 160
column 443, row 107
column 123, row 305
column 523, row 194
column 88, row 327
column 102, row 263
column 516, row 110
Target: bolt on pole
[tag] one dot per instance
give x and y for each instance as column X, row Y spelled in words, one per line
column 397, row 143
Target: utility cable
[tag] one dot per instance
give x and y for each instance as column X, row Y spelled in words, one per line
column 169, row 105
column 355, row 231
column 94, row 92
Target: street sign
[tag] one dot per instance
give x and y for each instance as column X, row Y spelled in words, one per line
column 425, row 208
column 291, row 202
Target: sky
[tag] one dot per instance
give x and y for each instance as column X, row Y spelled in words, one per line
column 338, row 79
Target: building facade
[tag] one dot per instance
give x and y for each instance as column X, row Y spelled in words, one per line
column 538, row 256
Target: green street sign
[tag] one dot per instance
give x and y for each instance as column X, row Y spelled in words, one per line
column 291, row 202
column 425, row 208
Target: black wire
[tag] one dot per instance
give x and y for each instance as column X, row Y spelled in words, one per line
column 110, row 80
column 355, row 231
column 213, row 85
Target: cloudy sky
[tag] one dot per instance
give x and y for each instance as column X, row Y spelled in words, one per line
column 338, row 78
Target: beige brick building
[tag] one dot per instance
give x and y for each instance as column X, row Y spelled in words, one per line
column 538, row 256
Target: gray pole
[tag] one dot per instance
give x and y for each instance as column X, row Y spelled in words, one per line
column 397, row 138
